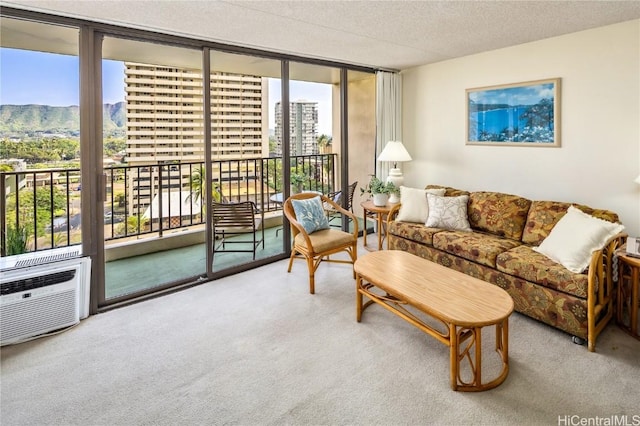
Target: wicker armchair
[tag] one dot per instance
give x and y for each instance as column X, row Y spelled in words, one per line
column 319, row 245
column 336, row 196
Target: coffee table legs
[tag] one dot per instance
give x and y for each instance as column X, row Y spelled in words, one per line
column 466, row 343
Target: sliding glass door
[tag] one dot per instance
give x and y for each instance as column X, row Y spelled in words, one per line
column 245, row 165
column 167, row 126
column 153, row 154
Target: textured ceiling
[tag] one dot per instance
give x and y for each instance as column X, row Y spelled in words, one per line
column 379, row 34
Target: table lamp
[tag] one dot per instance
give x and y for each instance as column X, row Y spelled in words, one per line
column 394, row 152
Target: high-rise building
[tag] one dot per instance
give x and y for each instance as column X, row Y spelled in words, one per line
column 165, row 115
column 165, row 122
column 303, row 128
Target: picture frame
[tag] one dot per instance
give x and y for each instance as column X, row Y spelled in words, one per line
column 519, row 114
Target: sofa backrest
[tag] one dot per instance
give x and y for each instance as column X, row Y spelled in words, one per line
column 543, row 216
column 497, row 213
column 449, row 191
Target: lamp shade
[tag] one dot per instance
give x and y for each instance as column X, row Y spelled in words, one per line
column 394, row 152
column 637, row 180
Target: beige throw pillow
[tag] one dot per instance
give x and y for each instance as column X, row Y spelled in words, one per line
column 575, row 237
column 448, row 212
column 414, row 206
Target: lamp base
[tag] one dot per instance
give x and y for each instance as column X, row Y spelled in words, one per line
column 395, row 176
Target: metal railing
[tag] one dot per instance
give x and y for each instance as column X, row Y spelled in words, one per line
column 40, row 209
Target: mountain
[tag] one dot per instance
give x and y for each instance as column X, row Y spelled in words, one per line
column 18, row 120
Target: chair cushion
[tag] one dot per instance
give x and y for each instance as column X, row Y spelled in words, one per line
column 310, row 214
column 325, row 239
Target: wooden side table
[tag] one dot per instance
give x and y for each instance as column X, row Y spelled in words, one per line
column 379, row 214
column 627, row 294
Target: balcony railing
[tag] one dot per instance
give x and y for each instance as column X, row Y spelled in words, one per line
column 40, row 209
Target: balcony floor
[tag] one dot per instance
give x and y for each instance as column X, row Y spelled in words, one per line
column 144, row 272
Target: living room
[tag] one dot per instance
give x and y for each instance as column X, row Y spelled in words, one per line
column 599, row 154
column 256, row 348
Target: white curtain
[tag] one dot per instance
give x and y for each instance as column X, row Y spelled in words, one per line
column 388, row 114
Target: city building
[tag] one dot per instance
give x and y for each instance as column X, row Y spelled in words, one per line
column 303, row 128
column 165, row 123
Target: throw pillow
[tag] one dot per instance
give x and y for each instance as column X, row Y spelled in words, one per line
column 575, row 237
column 448, row 212
column 310, row 214
column 414, row 206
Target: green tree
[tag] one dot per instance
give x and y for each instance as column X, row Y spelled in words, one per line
column 31, row 214
column 199, row 185
column 324, row 140
column 540, row 114
column 17, row 238
column 113, row 145
column 130, row 226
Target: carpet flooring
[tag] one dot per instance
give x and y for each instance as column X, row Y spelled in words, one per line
column 257, row 349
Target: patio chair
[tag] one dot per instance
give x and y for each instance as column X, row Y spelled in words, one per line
column 316, row 242
column 233, row 220
column 336, row 196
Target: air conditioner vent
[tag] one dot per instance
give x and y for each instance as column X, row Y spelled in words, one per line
column 40, row 260
column 37, row 281
column 39, row 315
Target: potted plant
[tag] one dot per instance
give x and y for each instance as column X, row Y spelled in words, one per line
column 379, row 190
column 297, row 180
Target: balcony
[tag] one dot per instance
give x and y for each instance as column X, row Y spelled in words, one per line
column 151, row 211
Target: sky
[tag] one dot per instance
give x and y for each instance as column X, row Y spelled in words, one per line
column 524, row 95
column 28, row 77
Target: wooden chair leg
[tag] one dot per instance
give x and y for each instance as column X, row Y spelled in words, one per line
column 293, row 254
column 312, row 273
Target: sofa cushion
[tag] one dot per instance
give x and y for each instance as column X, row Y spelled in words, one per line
column 448, row 212
column 524, row 262
column 543, row 216
column 414, row 206
column 575, row 237
column 499, row 214
column 475, row 246
column 417, row 232
column 449, row 191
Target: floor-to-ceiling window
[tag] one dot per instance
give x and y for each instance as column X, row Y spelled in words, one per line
column 153, row 155
column 245, row 166
column 39, row 136
column 256, row 128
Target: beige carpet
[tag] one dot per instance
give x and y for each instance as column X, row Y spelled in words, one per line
column 257, row 348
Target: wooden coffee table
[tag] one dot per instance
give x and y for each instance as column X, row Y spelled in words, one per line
column 462, row 304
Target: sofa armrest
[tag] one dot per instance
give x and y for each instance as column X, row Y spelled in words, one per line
column 600, row 292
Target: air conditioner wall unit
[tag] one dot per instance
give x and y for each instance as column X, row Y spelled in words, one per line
column 41, row 292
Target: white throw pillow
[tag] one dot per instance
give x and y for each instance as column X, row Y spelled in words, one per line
column 448, row 212
column 414, row 206
column 575, row 237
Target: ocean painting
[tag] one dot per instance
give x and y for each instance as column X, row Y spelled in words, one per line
column 515, row 114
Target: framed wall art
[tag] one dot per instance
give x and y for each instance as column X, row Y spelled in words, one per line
column 521, row 114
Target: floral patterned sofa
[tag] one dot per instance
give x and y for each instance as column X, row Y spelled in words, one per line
column 505, row 229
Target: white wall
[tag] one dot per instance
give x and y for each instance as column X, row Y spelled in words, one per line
column 600, row 122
